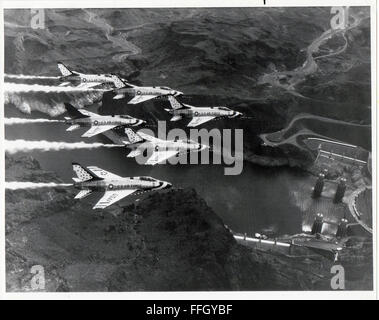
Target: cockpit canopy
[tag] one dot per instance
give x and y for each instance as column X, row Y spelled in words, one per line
column 144, row 178
column 189, row 141
column 165, row 88
column 224, row 108
column 176, row 139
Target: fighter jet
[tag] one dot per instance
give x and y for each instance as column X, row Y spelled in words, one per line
column 94, row 179
column 140, row 93
column 97, row 123
column 199, row 115
column 160, row 150
column 81, row 80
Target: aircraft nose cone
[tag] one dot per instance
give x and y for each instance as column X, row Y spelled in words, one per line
column 202, row 147
column 167, row 186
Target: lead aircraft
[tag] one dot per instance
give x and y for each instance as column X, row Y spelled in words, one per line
column 94, row 179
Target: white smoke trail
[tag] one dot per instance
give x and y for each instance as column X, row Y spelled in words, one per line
column 10, row 121
column 20, row 87
column 13, row 146
column 50, row 103
column 14, row 185
column 23, row 76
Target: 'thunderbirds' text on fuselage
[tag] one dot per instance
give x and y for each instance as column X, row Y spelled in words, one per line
column 199, row 115
column 94, row 179
column 139, row 94
column 81, row 80
column 97, row 123
column 160, row 150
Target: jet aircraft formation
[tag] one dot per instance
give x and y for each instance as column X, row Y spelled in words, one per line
column 94, row 179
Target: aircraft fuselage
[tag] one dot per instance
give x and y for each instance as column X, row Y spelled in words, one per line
column 178, row 146
column 105, row 120
column 122, row 184
column 203, row 112
column 87, row 78
column 146, row 91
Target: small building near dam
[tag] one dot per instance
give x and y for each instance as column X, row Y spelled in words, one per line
column 330, row 150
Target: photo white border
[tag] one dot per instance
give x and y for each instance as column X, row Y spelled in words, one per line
column 230, row 295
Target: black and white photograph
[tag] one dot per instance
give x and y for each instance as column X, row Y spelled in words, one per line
column 189, row 149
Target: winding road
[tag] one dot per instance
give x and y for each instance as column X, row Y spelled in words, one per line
column 289, row 79
column 275, row 139
column 118, row 40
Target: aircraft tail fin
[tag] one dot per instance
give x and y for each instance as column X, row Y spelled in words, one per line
column 83, row 174
column 132, row 136
column 175, row 104
column 119, row 83
column 73, row 112
column 64, row 70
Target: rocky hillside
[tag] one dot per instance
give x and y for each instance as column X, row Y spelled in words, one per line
column 166, row 241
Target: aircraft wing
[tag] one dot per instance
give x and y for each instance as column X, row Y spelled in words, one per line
column 101, row 173
column 176, row 118
column 148, row 137
column 64, row 84
column 141, row 98
column 83, row 193
column 73, row 127
column 199, row 120
column 94, row 130
column 119, row 96
column 160, row 156
column 134, row 153
column 111, row 197
column 86, row 85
